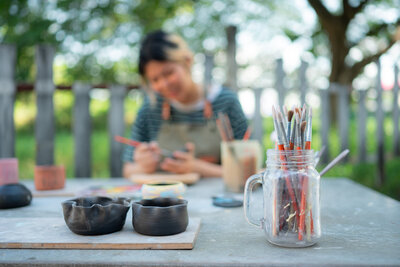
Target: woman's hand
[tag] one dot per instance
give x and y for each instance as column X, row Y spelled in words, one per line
column 147, row 157
column 183, row 162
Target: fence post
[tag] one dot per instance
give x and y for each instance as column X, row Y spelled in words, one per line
column 231, row 77
column 44, row 86
column 303, row 81
column 257, row 119
column 325, row 124
column 208, row 68
column 7, row 97
column 380, row 131
column 396, row 134
column 343, row 116
column 279, row 77
column 116, row 126
column 82, row 130
column 361, row 129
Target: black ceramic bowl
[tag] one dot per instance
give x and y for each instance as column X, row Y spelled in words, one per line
column 95, row 215
column 14, row 196
column 160, row 216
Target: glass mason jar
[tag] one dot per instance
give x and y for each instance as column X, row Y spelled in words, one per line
column 291, row 198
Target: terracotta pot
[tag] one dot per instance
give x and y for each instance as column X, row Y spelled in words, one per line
column 8, row 171
column 49, row 177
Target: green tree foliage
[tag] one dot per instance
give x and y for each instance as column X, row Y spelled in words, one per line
column 80, row 30
column 356, row 25
column 97, row 40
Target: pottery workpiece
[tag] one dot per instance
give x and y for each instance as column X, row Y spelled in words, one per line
column 95, row 215
column 14, row 196
column 160, row 216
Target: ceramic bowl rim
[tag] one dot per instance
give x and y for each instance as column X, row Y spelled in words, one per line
column 183, row 203
column 74, row 204
column 163, row 184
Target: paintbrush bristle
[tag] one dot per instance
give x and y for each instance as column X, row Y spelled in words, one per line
column 303, row 126
column 273, row 112
column 290, row 115
column 297, row 110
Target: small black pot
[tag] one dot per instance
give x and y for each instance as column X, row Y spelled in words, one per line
column 95, row 215
column 160, row 216
column 14, row 196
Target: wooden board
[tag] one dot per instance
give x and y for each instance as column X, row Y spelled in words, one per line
column 53, row 233
column 188, row 178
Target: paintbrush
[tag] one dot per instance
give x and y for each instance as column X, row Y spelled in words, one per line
column 282, row 131
column 229, row 128
column 289, row 126
column 308, row 134
column 303, row 130
column 298, row 133
column 281, row 148
column 293, row 133
column 221, row 130
column 277, row 129
column 247, row 134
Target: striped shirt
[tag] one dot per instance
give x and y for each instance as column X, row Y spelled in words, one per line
column 149, row 119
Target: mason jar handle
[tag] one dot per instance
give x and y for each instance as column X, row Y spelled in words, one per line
column 251, row 182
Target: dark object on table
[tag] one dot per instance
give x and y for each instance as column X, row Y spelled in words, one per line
column 226, row 202
column 95, row 215
column 14, row 196
column 160, row 216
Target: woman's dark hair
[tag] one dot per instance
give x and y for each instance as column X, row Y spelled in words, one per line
column 154, row 47
column 162, row 46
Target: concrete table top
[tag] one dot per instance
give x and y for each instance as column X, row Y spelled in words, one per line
column 359, row 227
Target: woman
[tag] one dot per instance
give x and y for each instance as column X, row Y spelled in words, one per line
column 178, row 115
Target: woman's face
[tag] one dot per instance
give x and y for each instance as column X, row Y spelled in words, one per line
column 170, row 79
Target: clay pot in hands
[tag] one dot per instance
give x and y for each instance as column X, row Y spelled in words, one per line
column 49, row 177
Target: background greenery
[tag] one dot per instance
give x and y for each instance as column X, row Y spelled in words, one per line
column 97, row 42
column 64, row 144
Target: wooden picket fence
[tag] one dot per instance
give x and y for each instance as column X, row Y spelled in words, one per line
column 44, row 128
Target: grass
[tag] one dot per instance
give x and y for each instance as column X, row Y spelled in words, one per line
column 25, row 112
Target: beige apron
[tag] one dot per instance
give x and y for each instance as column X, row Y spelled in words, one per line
column 205, row 136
